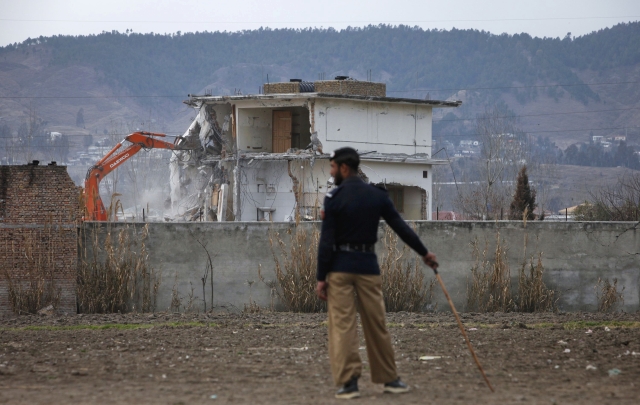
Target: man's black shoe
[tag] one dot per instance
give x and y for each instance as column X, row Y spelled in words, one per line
column 396, row 387
column 349, row 390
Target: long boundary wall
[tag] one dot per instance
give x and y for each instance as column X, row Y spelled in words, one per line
column 575, row 255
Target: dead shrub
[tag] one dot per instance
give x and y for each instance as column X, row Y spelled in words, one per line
column 252, row 307
column 533, row 293
column 608, row 296
column 114, row 274
column 404, row 286
column 176, row 301
column 490, row 287
column 295, row 260
column 36, row 287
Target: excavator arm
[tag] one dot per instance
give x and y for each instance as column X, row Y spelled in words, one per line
column 95, row 209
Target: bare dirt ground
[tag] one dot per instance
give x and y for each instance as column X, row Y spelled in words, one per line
column 277, row 358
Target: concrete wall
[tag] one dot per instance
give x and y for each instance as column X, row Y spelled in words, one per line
column 383, row 127
column 409, row 175
column 255, row 126
column 271, row 184
column 267, row 184
column 575, row 255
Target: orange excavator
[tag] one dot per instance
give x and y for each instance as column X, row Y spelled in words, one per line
column 95, row 210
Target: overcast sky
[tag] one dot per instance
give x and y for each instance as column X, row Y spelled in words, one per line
column 21, row 19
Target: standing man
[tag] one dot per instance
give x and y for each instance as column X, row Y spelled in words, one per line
column 347, row 264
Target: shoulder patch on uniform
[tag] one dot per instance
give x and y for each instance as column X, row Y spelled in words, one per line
column 333, row 192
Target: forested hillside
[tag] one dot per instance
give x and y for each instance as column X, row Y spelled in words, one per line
column 405, row 58
column 563, row 91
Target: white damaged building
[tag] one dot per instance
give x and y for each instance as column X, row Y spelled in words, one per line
column 265, row 157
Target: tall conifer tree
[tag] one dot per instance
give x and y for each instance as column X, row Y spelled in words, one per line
column 523, row 199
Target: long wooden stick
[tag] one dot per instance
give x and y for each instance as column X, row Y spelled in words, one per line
column 453, row 309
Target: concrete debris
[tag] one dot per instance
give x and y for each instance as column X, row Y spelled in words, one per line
column 80, row 372
column 197, row 176
column 47, row 311
column 315, row 144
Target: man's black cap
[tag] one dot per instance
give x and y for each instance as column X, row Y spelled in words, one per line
column 342, row 153
column 348, row 156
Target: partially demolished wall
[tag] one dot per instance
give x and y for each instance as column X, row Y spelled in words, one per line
column 200, row 179
column 39, row 212
column 265, row 158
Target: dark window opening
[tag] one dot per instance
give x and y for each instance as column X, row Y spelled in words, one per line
column 396, row 194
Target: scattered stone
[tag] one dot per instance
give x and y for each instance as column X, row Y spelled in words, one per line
column 47, row 311
column 80, row 372
column 4, row 370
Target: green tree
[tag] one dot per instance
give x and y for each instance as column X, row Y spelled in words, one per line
column 524, row 199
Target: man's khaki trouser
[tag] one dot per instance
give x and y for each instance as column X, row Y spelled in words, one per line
column 343, row 337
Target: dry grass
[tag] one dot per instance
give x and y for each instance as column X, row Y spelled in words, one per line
column 608, row 296
column 489, row 289
column 176, row 301
column 295, row 260
column 252, row 307
column 490, row 286
column 114, row 274
column 533, row 293
column 36, row 288
column 404, row 285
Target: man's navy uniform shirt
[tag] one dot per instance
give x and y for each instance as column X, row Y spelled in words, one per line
column 352, row 214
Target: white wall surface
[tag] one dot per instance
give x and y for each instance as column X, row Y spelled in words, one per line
column 401, row 174
column 254, row 129
column 268, row 184
column 364, row 125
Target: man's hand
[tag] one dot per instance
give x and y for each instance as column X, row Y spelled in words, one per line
column 430, row 260
column 321, row 290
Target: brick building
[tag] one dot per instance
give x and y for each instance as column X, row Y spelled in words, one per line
column 338, row 86
column 39, row 212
